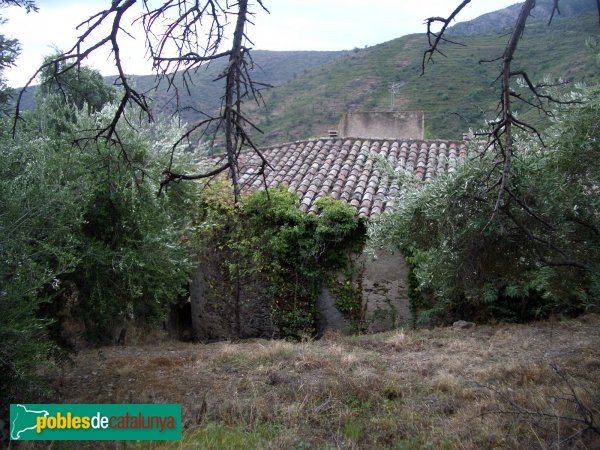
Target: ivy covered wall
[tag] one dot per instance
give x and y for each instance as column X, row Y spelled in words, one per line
column 262, row 264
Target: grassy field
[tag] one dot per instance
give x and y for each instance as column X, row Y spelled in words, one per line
column 504, row 386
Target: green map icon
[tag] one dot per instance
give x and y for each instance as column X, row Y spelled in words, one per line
column 23, row 419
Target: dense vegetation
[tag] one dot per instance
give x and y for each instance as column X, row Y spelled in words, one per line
column 267, row 235
column 85, row 242
column 538, row 255
column 270, row 67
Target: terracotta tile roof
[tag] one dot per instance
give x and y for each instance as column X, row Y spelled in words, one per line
column 347, row 169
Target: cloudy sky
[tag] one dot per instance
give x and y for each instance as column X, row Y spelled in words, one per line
column 291, row 25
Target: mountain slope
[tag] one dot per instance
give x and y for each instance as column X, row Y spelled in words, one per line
column 270, row 67
column 312, row 89
column 456, row 93
column 504, row 19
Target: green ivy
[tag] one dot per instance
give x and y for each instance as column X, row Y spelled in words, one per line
column 267, row 235
column 347, row 297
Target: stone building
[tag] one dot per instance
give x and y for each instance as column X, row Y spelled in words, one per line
column 343, row 168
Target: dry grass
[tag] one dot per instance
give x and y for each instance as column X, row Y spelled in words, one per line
column 440, row 388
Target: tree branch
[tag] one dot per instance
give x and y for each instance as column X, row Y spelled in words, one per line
column 180, row 36
column 434, row 39
column 170, row 176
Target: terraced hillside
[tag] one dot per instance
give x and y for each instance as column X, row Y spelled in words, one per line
column 504, row 19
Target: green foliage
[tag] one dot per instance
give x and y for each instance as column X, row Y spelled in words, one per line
column 347, row 297
column 539, row 255
column 38, row 205
column 82, row 229
column 269, row 235
column 9, row 50
column 420, row 306
column 80, row 86
column 133, row 257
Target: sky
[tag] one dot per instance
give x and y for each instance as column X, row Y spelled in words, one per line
column 289, row 25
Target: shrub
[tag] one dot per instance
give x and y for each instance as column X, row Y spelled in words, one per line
column 81, row 228
column 538, row 255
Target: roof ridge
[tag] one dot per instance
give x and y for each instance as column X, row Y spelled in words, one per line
column 352, row 138
column 358, row 138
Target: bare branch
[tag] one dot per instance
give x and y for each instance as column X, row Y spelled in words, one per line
column 585, row 418
column 529, row 210
column 170, row 176
column 554, row 11
column 586, row 413
column 74, row 57
column 535, row 90
column 181, row 36
column 435, row 38
column 507, row 117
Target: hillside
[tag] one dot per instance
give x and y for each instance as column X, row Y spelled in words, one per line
column 312, row 89
column 456, row 93
column 504, row 19
column 445, row 388
column 270, row 67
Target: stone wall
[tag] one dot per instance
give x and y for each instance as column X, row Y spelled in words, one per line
column 384, row 286
column 222, row 310
column 405, row 125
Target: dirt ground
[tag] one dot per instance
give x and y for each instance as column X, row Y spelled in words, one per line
column 504, row 386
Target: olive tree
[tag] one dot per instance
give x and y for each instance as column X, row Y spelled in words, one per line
column 500, row 138
column 180, row 36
